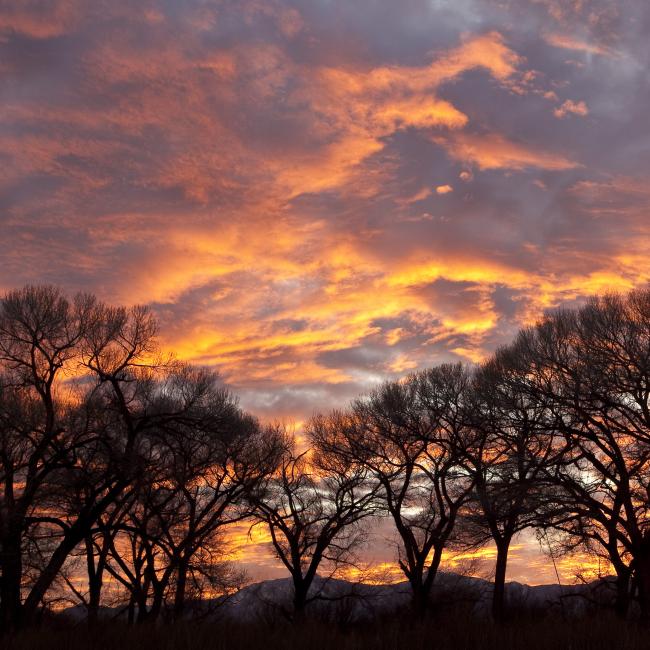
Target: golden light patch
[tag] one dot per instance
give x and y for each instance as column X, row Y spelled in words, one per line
column 570, row 107
column 571, row 42
column 494, row 151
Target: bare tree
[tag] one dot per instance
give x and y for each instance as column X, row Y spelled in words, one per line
column 508, row 451
column 591, row 367
column 312, row 506
column 401, row 434
column 89, row 560
column 205, row 463
column 80, row 385
column 40, row 334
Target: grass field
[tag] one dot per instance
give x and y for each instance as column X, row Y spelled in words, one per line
column 599, row 633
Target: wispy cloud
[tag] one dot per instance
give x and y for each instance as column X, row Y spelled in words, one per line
column 314, row 202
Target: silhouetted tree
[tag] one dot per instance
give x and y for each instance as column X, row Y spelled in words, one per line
column 591, row 369
column 205, row 463
column 312, row 506
column 40, row 336
column 136, row 463
column 81, row 390
column 508, row 451
column 401, row 433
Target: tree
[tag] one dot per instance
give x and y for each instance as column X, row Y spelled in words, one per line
column 80, row 384
column 40, row 335
column 508, row 451
column 591, row 367
column 312, row 506
column 400, row 434
column 95, row 553
column 204, row 463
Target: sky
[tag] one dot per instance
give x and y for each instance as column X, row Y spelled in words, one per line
column 318, row 196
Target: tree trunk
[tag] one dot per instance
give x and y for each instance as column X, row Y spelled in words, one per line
column 419, row 600
column 299, row 601
column 642, row 575
column 12, row 571
column 181, row 583
column 141, row 597
column 48, row 574
column 499, row 593
column 94, row 599
column 130, row 617
column 622, row 599
column 421, row 589
column 143, row 611
column 95, row 582
column 157, row 601
column 422, row 584
column 159, row 587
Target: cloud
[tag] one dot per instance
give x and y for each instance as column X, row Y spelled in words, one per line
column 41, row 20
column 361, row 108
column 494, row 151
column 267, row 176
column 570, row 42
column 571, row 107
column 420, row 195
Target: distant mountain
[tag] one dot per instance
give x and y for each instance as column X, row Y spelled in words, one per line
column 345, row 601
column 338, row 598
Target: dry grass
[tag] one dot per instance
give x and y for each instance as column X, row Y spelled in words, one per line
column 444, row 634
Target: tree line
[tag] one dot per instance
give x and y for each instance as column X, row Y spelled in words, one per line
column 121, row 465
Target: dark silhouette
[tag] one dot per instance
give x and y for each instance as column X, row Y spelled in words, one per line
column 312, row 506
column 402, row 433
column 132, row 465
column 52, row 441
column 508, row 450
column 202, row 463
column 590, row 371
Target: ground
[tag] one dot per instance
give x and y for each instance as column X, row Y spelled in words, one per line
column 602, row 632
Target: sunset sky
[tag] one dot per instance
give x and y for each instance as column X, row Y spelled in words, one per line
column 317, row 196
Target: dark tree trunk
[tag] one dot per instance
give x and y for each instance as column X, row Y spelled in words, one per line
column 622, row 598
column 130, row 617
column 95, row 582
column 419, row 600
column 156, row 605
column 418, row 592
column 159, row 587
column 94, row 599
column 141, row 596
column 48, row 574
column 422, row 583
column 12, row 571
column 299, row 601
column 181, row 585
column 143, row 610
column 499, row 593
column 642, row 575
column 421, row 594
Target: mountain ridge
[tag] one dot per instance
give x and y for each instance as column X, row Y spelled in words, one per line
column 337, row 599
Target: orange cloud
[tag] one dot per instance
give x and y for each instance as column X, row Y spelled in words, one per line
column 569, row 106
column 273, row 194
column 49, row 20
column 494, row 151
column 335, row 301
column 420, row 195
column 570, row 42
column 361, row 107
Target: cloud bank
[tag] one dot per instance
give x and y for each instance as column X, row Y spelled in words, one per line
column 316, row 197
